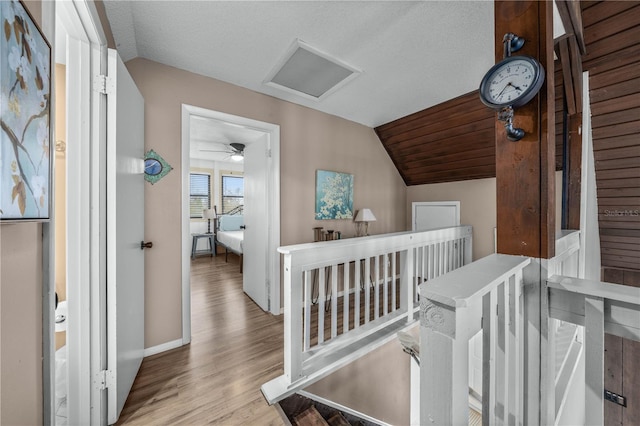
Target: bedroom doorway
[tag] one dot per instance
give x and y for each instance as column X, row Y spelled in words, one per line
column 262, row 236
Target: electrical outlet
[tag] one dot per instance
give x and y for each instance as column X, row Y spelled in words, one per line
column 613, row 397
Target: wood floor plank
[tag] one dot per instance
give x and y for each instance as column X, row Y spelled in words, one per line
column 235, row 348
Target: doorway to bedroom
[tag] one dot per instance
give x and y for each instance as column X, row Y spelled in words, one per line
column 231, row 200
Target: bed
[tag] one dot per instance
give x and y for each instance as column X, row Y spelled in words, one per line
column 230, row 235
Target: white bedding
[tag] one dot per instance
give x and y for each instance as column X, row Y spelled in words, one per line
column 231, row 239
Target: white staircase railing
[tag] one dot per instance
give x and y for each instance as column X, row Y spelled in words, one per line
column 452, row 312
column 518, row 302
column 344, row 298
column 503, row 296
column 601, row 308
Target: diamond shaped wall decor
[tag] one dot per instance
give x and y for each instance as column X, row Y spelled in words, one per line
column 155, row 167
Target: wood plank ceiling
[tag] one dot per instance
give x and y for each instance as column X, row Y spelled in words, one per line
column 612, row 36
column 452, row 141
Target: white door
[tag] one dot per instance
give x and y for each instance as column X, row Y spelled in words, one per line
column 125, row 231
column 256, row 231
column 432, row 215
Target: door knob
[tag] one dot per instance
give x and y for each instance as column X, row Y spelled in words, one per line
column 144, row 245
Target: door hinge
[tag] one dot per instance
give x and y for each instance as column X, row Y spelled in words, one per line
column 105, row 379
column 103, row 84
column 268, row 152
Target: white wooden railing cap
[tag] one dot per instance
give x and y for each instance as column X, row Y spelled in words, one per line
column 604, row 290
column 464, row 286
column 466, row 230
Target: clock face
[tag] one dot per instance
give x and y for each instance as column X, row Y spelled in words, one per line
column 513, row 81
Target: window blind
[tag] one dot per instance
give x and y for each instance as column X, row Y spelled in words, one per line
column 199, row 193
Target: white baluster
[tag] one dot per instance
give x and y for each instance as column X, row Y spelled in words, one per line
column 334, row 301
column 308, row 297
column 321, row 299
column 367, row 289
column 357, row 280
column 345, row 298
column 376, row 287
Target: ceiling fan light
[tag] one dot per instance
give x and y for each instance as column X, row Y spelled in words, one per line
column 237, row 157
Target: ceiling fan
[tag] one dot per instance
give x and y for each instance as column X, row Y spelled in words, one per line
column 235, row 151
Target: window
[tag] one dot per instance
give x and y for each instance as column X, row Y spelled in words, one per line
column 199, row 194
column 232, row 193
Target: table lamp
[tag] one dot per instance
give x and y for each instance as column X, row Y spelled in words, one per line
column 362, row 220
column 209, row 214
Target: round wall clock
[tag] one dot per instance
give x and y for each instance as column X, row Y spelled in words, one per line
column 512, row 82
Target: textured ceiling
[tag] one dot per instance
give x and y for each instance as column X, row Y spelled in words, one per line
column 413, row 55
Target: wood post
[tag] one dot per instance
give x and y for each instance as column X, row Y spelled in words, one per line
column 525, row 170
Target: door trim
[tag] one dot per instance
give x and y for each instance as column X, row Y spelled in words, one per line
column 273, row 197
column 85, row 236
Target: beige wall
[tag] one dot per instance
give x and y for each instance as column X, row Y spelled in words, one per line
column 21, row 315
column 477, row 207
column 310, row 140
column 21, row 324
column 383, row 386
column 60, row 185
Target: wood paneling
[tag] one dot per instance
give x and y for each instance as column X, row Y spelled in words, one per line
column 612, row 35
column 622, row 358
column 448, row 142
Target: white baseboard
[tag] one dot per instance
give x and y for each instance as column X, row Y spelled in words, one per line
column 162, row 348
column 342, row 408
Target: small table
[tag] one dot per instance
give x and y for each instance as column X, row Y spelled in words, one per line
column 212, row 245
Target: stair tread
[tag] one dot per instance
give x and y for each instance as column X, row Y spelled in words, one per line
column 310, row 417
column 338, row 419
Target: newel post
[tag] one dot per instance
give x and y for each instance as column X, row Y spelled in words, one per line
column 292, row 320
column 444, row 364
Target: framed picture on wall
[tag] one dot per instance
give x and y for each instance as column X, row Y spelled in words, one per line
column 25, row 131
column 334, row 195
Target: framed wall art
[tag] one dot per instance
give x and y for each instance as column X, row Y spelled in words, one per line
column 25, row 137
column 334, row 195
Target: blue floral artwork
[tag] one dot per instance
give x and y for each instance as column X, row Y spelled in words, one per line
column 334, row 195
column 25, row 155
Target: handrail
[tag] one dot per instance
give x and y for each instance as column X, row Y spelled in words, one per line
column 343, row 298
column 601, row 308
column 453, row 309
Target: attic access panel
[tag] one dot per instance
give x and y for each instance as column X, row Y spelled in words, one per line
column 309, row 73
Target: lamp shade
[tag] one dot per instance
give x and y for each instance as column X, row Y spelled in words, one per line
column 208, row 214
column 365, row 215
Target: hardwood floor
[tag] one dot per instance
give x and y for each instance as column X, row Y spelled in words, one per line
column 235, row 348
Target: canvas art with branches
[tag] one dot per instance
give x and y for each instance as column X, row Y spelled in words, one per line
column 334, row 195
column 24, row 116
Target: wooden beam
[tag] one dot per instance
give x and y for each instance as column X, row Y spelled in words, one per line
column 525, row 170
column 567, row 75
column 571, row 16
column 576, row 72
